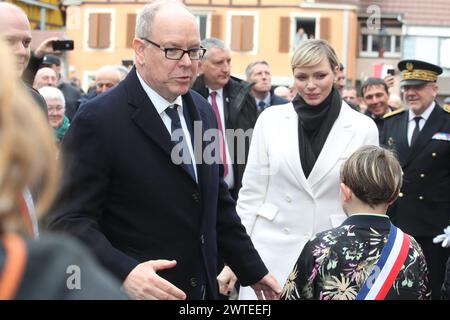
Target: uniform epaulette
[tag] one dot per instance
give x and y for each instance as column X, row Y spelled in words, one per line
column 393, row 113
column 446, row 108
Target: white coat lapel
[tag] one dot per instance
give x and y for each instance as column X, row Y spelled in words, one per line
column 338, row 139
column 290, row 138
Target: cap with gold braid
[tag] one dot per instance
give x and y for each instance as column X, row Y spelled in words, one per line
column 416, row 72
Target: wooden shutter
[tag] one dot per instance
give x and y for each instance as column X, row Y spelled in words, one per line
column 284, row 37
column 93, row 30
column 242, row 29
column 236, row 33
column 325, row 32
column 99, row 30
column 216, row 26
column 247, row 33
column 131, row 26
column 104, row 30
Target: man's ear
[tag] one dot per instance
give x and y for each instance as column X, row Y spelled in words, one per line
column 346, row 192
column 139, row 48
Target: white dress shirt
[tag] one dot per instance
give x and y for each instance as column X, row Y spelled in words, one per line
column 229, row 179
column 412, row 123
column 161, row 105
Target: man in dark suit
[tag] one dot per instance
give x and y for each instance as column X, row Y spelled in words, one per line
column 421, row 137
column 375, row 94
column 258, row 72
column 126, row 196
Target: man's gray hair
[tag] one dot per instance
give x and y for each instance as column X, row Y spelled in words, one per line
column 249, row 69
column 209, row 43
column 147, row 14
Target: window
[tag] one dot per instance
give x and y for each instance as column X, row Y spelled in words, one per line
column 202, row 20
column 131, row 26
column 379, row 45
column 99, row 30
column 242, row 33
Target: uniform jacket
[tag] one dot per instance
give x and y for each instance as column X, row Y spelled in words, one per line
column 335, row 264
column 279, row 207
column 423, row 206
column 130, row 203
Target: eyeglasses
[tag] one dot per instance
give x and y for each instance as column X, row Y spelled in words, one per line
column 177, row 53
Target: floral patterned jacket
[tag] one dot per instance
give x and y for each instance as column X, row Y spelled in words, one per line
column 335, row 263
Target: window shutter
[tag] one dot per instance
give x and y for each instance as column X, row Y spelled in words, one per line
column 216, row 26
column 93, row 30
column 236, row 33
column 131, row 26
column 283, row 45
column 104, row 30
column 247, row 33
column 325, row 32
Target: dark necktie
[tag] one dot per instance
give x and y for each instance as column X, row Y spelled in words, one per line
column 178, row 137
column 416, row 131
column 261, row 106
column 222, row 146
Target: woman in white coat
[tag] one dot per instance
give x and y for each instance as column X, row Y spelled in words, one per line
column 290, row 187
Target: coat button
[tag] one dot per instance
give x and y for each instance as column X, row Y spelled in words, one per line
column 196, row 197
column 434, row 154
column 422, row 175
column 288, row 198
column 202, row 239
column 400, row 195
column 420, row 197
column 193, row 282
column 286, row 230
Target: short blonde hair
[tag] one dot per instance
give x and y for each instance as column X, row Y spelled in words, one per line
column 311, row 52
column 28, row 151
column 373, row 174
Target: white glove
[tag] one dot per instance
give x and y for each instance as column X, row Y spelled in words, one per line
column 444, row 238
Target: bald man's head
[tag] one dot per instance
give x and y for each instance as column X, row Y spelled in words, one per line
column 15, row 28
column 106, row 77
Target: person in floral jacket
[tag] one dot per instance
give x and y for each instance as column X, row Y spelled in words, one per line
column 344, row 263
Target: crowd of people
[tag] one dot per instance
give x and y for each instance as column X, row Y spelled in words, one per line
column 311, row 193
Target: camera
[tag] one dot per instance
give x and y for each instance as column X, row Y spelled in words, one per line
column 391, row 72
column 62, row 45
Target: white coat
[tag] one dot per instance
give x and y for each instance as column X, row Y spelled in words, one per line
column 278, row 206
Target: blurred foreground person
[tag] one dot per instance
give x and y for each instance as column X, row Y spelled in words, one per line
column 49, row 268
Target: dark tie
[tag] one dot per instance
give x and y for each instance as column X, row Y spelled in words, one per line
column 416, row 131
column 261, row 106
column 178, row 137
column 222, row 146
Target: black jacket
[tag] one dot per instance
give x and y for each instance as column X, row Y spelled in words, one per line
column 240, row 113
column 125, row 197
column 423, row 206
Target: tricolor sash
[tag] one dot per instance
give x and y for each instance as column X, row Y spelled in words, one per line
column 385, row 272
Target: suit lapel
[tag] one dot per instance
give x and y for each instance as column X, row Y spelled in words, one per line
column 431, row 126
column 147, row 118
column 402, row 143
column 290, row 129
column 335, row 145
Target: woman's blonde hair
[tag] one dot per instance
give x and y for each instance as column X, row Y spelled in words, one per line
column 373, row 174
column 311, row 52
column 27, row 149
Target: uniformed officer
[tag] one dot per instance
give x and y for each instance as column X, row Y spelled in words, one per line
column 421, row 136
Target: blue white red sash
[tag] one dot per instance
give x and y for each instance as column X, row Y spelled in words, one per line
column 385, row 272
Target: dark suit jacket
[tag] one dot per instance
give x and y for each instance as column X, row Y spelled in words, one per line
column 127, row 200
column 423, row 207
column 276, row 100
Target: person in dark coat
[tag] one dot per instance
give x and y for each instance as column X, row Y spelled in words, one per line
column 258, row 72
column 156, row 215
column 421, row 137
column 236, row 105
